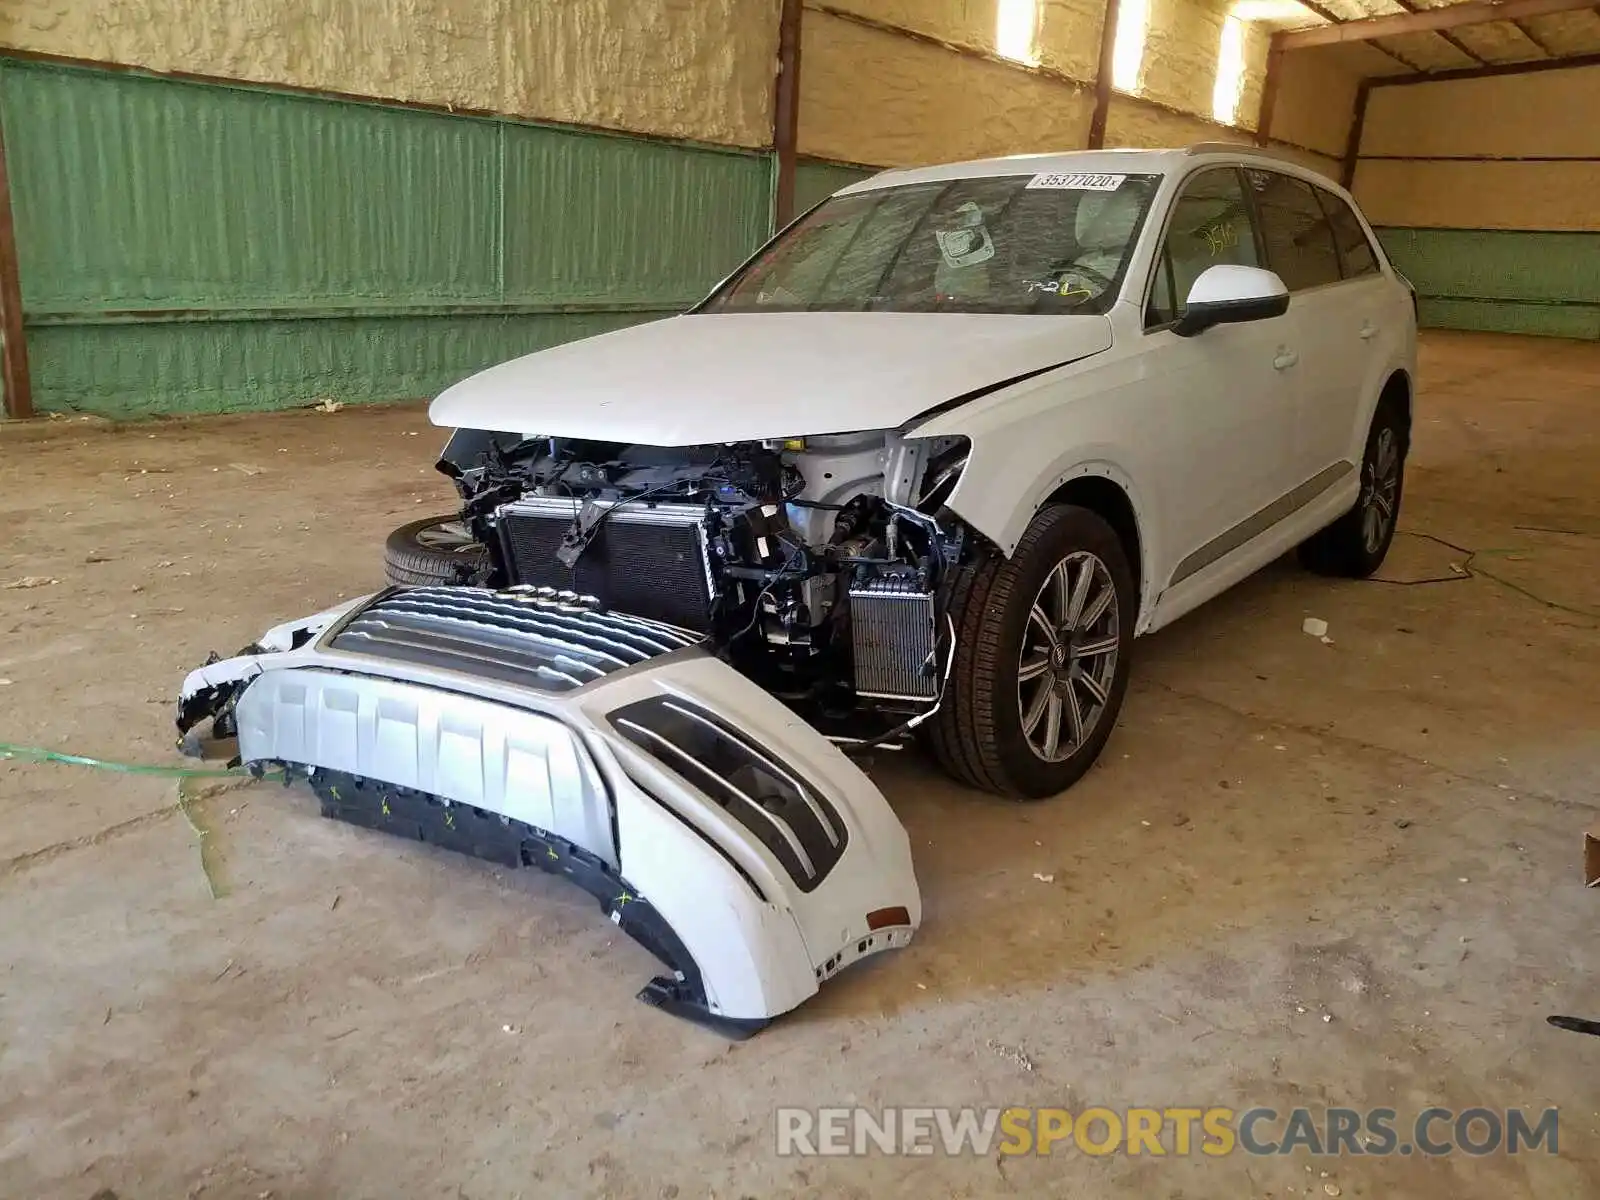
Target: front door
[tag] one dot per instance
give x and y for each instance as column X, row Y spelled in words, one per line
column 1231, row 389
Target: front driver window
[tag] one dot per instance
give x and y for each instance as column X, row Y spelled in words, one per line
column 1210, row 225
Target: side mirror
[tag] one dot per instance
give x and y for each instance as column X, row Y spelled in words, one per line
column 1228, row 294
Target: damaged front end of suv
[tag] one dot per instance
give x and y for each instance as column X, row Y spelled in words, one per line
column 816, row 567
column 643, row 688
column 698, row 560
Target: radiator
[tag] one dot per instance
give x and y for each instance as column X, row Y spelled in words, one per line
column 647, row 561
column 892, row 636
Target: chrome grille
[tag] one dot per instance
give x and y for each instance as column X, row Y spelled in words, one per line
column 552, row 640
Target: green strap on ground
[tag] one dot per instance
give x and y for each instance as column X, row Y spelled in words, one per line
column 189, row 804
column 40, row 754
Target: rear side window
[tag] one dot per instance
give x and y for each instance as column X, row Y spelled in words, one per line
column 1355, row 251
column 1210, row 225
column 1297, row 233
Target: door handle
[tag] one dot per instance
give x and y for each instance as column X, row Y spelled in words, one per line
column 1368, row 331
column 1286, row 359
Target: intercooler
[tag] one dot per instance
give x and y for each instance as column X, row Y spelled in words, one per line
column 649, row 561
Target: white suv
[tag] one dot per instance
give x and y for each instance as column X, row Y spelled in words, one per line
column 936, row 454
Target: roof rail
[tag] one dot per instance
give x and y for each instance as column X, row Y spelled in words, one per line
column 1242, row 148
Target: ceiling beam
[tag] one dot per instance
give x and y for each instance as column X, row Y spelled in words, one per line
column 1432, row 20
column 1572, row 62
column 1333, row 18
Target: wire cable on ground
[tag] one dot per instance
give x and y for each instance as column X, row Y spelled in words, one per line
column 1589, row 533
column 1467, row 568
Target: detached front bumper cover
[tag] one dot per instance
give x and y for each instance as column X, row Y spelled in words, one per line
column 718, row 830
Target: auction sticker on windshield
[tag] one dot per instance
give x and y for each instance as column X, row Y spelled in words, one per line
column 1078, row 182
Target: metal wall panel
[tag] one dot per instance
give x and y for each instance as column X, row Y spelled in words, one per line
column 134, row 369
column 140, row 193
column 815, row 181
column 192, row 247
column 1507, row 316
column 1510, row 281
column 1499, row 264
column 617, row 219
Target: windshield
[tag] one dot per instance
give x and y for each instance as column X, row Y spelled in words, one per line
column 1049, row 243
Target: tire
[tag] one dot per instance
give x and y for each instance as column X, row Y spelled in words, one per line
column 1356, row 544
column 980, row 735
column 431, row 552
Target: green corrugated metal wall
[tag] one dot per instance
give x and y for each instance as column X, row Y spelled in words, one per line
column 188, row 247
column 197, row 248
column 815, row 181
column 1504, row 281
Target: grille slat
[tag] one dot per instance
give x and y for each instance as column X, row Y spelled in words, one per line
column 392, row 635
column 574, row 611
column 552, row 642
column 570, row 633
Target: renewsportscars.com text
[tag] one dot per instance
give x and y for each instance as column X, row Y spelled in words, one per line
column 1158, row 1132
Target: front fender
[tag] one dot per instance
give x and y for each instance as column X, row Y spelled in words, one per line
column 1004, row 524
column 1031, row 440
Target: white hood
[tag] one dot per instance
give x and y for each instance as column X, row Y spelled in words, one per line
column 736, row 377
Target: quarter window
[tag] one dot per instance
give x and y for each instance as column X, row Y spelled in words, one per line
column 1297, row 233
column 1355, row 251
column 1210, row 225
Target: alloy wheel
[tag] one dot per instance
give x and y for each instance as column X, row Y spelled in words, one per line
column 1382, row 490
column 448, row 537
column 1068, row 659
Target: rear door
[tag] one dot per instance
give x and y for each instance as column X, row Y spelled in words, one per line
column 1374, row 321
column 1230, row 390
column 1336, row 296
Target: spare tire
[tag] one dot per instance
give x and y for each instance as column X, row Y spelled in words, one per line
column 433, row 551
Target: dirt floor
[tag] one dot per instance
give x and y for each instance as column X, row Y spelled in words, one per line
column 1340, row 874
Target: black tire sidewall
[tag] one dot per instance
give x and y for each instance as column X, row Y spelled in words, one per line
column 1347, row 553
column 1070, row 529
column 410, row 563
column 1340, row 549
column 1384, row 418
